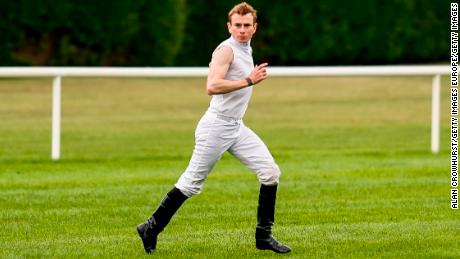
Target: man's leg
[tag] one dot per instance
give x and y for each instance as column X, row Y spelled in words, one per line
column 253, row 153
column 266, row 219
column 212, row 138
column 209, row 147
column 149, row 230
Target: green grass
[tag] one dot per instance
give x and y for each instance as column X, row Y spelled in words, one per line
column 358, row 178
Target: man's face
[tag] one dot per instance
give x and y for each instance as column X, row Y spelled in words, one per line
column 242, row 27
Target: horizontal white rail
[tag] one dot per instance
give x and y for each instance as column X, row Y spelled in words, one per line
column 103, row 71
column 203, row 71
column 58, row 72
column 360, row 71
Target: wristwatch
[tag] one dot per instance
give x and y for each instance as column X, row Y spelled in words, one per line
column 249, row 81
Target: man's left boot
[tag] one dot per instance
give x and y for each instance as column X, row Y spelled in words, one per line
column 266, row 219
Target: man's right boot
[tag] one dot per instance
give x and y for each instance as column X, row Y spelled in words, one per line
column 149, row 230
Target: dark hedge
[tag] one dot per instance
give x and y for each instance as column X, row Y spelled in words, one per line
column 184, row 33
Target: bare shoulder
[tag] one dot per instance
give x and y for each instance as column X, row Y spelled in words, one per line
column 220, row 62
column 222, row 55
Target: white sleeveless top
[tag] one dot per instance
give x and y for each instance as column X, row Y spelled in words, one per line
column 234, row 104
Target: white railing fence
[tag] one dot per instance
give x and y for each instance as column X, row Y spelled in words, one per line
column 58, row 72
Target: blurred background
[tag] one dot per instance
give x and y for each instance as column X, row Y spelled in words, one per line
column 185, row 32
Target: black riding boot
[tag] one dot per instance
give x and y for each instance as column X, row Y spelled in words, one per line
column 266, row 219
column 149, row 230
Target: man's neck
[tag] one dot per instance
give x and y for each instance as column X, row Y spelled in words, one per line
column 243, row 44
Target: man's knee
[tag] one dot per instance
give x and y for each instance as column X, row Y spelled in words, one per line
column 189, row 186
column 270, row 175
column 187, row 190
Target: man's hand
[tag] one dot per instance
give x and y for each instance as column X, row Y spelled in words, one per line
column 259, row 73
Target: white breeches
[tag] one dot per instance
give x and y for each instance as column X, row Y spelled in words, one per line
column 216, row 134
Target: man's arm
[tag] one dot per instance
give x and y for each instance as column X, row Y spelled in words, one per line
column 218, row 68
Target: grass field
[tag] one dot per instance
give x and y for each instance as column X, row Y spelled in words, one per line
column 358, row 178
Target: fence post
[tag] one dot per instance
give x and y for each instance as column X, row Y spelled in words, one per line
column 435, row 113
column 56, row 120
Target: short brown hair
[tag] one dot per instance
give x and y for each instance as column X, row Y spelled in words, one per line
column 242, row 9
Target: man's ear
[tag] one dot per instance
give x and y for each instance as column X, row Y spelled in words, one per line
column 229, row 26
column 255, row 27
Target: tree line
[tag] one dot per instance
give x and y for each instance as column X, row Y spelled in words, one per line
column 185, row 32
